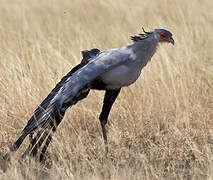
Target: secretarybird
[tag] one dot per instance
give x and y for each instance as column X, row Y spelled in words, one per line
column 109, row 70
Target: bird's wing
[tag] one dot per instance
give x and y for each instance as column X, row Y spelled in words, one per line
column 96, row 66
column 33, row 123
column 75, row 85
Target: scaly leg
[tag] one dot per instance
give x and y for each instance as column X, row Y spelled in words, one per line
column 109, row 99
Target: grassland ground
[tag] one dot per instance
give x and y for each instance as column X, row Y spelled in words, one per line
column 159, row 128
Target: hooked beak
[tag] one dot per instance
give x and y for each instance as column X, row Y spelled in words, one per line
column 171, row 40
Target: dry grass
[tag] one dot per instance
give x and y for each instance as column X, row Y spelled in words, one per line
column 159, row 128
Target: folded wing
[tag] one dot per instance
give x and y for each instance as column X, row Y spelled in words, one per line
column 42, row 111
column 74, row 86
column 96, row 66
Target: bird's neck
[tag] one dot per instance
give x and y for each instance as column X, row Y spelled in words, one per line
column 144, row 50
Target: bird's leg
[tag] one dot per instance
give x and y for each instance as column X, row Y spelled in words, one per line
column 109, row 99
column 103, row 123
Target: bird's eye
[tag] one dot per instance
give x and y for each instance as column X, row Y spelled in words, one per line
column 164, row 36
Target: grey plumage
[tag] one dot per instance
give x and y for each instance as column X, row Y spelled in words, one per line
column 118, row 64
column 109, row 70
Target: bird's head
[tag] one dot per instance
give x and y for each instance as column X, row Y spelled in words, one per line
column 161, row 35
column 164, row 36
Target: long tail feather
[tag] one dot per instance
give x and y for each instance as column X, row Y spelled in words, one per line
column 39, row 143
column 46, row 145
column 18, row 143
column 15, row 146
column 49, row 115
column 33, row 142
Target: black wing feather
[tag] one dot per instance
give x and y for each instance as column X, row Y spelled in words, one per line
column 41, row 110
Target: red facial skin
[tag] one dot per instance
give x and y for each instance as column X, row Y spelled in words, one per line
column 164, row 35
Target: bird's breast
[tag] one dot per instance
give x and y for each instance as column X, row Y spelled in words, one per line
column 120, row 76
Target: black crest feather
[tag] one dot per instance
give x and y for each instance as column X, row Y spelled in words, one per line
column 142, row 36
